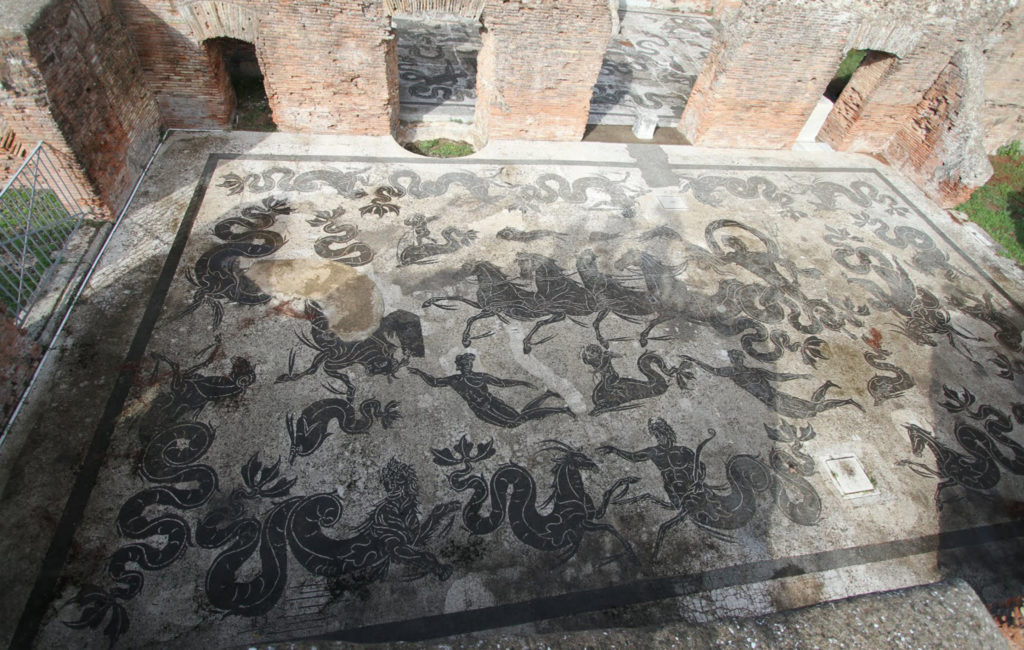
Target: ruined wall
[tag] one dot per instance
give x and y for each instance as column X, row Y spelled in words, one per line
column 25, row 111
column 941, row 147
column 328, row 67
column 709, row 7
column 843, row 122
column 775, row 57
column 71, row 78
column 1003, row 112
column 96, row 93
column 537, row 67
column 764, row 75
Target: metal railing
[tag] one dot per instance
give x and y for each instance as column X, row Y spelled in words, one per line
column 40, row 212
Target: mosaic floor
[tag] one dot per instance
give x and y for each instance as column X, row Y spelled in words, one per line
column 650, row 66
column 377, row 397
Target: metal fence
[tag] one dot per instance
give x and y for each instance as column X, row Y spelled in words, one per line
column 39, row 216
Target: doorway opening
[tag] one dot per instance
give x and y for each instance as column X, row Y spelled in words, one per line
column 649, row 68
column 243, row 81
column 842, row 104
column 437, row 67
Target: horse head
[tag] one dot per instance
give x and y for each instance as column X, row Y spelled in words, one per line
column 587, row 258
column 632, row 258
column 648, row 264
column 571, row 458
column 533, row 263
column 483, row 271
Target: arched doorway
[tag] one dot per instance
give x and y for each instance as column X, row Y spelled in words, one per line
column 848, row 93
column 237, row 70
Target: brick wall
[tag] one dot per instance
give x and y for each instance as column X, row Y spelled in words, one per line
column 941, row 147
column 461, row 8
column 775, row 57
column 844, row 122
column 25, row 110
column 1003, row 113
column 70, row 78
column 764, row 75
column 96, row 93
column 538, row 65
column 327, row 65
column 18, row 358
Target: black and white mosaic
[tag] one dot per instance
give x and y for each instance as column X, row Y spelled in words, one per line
column 381, row 394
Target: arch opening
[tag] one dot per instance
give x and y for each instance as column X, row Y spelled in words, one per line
column 237, row 71
column 437, row 71
column 842, row 105
column 648, row 71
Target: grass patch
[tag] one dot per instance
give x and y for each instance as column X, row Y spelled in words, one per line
column 998, row 206
column 440, row 148
column 50, row 228
column 843, row 74
column 252, row 108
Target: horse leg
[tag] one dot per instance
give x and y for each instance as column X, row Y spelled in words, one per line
column 553, row 318
column 597, row 327
column 819, row 394
column 313, row 367
column 664, row 528
column 658, row 320
column 918, row 468
column 350, row 388
column 434, row 302
column 608, row 528
column 828, row 404
column 466, row 339
column 646, row 497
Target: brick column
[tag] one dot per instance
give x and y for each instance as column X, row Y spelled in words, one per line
column 71, row 79
column 941, row 147
column 339, row 74
column 840, row 127
column 537, row 67
column 1003, row 113
column 765, row 74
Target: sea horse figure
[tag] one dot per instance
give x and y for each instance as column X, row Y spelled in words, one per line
column 310, row 431
column 426, row 249
column 512, row 494
column 976, row 470
column 611, row 295
column 217, row 274
column 616, row 393
column 399, row 331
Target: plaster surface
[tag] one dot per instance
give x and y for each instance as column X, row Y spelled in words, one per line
column 362, row 395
